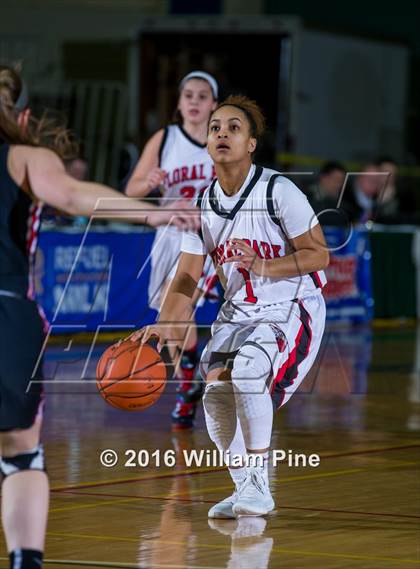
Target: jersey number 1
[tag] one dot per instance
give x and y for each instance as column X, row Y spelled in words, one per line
column 250, row 296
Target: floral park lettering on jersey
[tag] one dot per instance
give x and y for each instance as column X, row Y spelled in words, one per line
column 263, row 249
column 186, row 174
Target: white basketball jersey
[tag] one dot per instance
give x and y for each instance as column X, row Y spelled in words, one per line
column 188, row 166
column 267, row 212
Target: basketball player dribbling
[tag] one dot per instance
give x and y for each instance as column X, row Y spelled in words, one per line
column 269, row 250
column 32, row 172
column 176, row 160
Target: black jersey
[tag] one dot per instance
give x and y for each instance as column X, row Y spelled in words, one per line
column 19, row 226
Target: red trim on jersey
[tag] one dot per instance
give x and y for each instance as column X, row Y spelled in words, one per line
column 34, row 223
column 210, row 290
column 210, row 282
column 317, row 281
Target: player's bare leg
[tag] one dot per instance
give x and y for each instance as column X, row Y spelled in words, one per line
column 25, row 496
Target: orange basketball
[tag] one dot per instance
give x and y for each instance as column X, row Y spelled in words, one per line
column 131, row 376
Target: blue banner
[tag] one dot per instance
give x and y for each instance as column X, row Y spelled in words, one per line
column 348, row 293
column 100, row 278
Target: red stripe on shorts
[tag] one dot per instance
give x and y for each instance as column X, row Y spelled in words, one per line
column 289, row 370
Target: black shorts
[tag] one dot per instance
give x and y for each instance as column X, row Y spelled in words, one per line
column 21, row 340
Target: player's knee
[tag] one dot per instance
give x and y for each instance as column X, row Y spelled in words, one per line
column 218, row 375
column 19, row 440
column 216, row 395
column 251, row 372
column 210, row 399
column 32, row 459
column 220, row 412
column 251, row 369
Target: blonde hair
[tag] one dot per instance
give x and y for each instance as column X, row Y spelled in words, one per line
column 44, row 131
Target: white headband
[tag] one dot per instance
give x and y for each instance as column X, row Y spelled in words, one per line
column 202, row 75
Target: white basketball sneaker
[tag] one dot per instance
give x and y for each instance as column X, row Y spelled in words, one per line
column 223, row 509
column 254, row 496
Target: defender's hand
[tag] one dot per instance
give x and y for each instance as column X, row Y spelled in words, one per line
column 181, row 213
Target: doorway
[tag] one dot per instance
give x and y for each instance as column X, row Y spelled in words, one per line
column 242, row 63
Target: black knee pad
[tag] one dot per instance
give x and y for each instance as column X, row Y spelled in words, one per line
column 30, row 460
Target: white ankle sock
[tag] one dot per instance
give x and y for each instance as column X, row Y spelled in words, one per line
column 259, row 461
column 237, row 448
column 238, row 475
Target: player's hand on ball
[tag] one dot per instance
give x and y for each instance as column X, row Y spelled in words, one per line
column 151, row 331
column 247, row 259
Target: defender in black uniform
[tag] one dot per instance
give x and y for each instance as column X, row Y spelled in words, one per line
column 31, row 172
column 22, row 328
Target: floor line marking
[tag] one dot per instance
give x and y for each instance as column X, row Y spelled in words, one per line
column 175, row 495
column 117, row 565
column 224, row 548
column 88, row 506
column 203, row 501
column 172, row 474
column 301, row 477
column 169, row 474
column 369, row 451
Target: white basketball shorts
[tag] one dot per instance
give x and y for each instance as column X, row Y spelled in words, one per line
column 289, row 333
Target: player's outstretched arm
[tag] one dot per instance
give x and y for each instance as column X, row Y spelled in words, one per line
column 147, row 175
column 50, row 183
column 178, row 307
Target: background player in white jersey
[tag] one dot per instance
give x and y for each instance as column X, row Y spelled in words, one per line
column 270, row 251
column 176, row 160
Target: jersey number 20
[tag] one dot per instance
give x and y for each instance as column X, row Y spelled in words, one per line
column 188, row 192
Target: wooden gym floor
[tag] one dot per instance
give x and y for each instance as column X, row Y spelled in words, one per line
column 360, row 508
